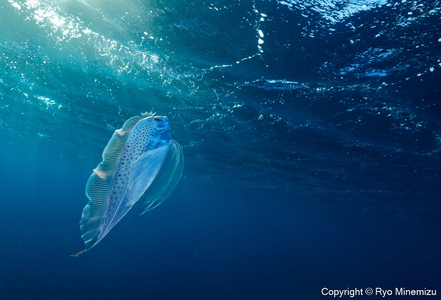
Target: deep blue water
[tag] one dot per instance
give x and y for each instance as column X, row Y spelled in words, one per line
column 311, row 132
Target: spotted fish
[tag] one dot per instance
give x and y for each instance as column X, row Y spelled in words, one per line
column 141, row 164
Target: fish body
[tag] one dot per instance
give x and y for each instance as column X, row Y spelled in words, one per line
column 141, row 163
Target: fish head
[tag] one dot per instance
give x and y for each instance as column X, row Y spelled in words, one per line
column 160, row 123
column 162, row 127
column 155, row 130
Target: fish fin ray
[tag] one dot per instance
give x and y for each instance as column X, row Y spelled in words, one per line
column 112, row 152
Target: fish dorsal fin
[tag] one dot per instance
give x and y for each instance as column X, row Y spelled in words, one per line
column 99, row 185
column 166, row 179
column 115, row 146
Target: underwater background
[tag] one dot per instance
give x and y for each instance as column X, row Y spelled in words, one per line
column 311, row 131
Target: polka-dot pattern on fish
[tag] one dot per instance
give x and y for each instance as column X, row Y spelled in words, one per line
column 148, row 134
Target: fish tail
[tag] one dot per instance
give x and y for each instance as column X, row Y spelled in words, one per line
column 78, row 253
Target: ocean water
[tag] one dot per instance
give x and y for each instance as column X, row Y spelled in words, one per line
column 311, row 132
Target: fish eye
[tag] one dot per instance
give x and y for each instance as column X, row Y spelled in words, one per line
column 157, row 120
